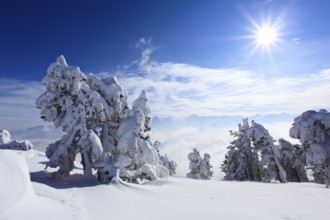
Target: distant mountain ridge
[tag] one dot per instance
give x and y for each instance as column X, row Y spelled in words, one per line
column 217, row 121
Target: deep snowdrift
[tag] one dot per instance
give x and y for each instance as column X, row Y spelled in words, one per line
column 20, row 199
column 172, row 198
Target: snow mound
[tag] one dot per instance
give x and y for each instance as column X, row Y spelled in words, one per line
column 6, row 143
column 22, row 199
column 15, row 180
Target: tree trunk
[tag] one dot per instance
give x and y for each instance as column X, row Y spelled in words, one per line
column 87, row 164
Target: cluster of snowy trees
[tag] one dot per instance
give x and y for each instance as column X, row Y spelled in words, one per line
column 98, row 124
column 7, row 143
column 254, row 156
column 113, row 138
column 200, row 168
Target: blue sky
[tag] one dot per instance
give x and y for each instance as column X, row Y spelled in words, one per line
column 191, row 56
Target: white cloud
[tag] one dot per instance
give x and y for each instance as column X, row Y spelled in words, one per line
column 147, row 49
column 17, row 104
column 182, row 89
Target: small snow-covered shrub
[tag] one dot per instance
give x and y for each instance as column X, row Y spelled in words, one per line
column 4, row 137
column 6, row 143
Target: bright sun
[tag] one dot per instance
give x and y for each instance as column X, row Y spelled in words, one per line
column 266, row 36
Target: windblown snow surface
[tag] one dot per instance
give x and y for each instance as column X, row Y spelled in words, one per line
column 28, row 192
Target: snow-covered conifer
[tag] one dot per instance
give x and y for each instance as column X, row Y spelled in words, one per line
column 292, row 159
column 4, row 137
column 312, row 128
column 169, row 164
column 199, row 168
column 141, row 104
column 93, row 113
column 135, row 155
column 327, row 177
column 252, row 155
column 269, row 161
column 71, row 104
column 164, row 160
column 205, row 167
column 194, row 163
column 241, row 160
column 115, row 97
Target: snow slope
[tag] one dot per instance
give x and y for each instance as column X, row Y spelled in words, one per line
column 172, row 198
column 20, row 199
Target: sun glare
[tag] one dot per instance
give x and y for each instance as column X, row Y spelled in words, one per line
column 266, row 36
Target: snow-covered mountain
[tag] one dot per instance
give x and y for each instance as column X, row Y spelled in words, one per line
column 173, row 198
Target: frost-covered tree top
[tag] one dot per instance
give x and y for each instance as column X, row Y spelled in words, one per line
column 311, row 127
column 109, row 88
column 141, row 104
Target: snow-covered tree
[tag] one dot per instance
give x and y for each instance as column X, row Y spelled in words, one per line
column 194, row 159
column 71, row 104
column 292, row 159
column 164, row 160
column 199, row 168
column 269, row 161
column 241, row 160
column 252, row 155
column 4, row 137
column 7, row 143
column 141, row 104
column 312, row 128
column 169, row 164
column 134, row 155
column 93, row 113
column 205, row 167
column 115, row 97
column 327, row 177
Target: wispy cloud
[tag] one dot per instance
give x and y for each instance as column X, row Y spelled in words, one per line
column 17, row 103
column 147, row 49
column 180, row 89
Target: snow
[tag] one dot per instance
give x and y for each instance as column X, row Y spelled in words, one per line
column 172, row 198
column 4, row 137
column 6, row 143
column 22, row 199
